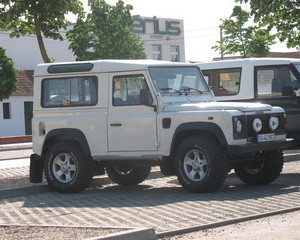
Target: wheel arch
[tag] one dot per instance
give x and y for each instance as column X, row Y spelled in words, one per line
column 66, row 134
column 186, row 130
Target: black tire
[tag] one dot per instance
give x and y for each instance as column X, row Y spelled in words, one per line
column 264, row 170
column 167, row 167
column 127, row 175
column 67, row 169
column 201, row 164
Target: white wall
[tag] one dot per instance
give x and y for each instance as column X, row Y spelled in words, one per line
column 25, row 52
column 15, row 126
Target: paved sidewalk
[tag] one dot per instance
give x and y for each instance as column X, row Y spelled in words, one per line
column 159, row 202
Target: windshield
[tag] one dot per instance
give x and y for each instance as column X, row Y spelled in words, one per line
column 178, row 80
column 297, row 66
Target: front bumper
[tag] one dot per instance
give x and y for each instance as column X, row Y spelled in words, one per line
column 256, row 147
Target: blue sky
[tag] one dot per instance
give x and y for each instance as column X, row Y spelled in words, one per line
column 201, row 22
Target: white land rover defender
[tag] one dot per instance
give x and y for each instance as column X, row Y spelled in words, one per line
column 122, row 117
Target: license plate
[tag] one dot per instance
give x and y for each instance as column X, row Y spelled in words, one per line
column 268, row 137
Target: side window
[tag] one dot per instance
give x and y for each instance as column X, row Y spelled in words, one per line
column 70, row 92
column 127, row 90
column 223, row 81
column 275, row 81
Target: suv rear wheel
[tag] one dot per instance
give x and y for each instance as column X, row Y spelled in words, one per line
column 201, row 164
column 67, row 169
column 265, row 169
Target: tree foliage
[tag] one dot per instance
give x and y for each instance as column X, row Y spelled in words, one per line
column 105, row 33
column 8, row 78
column 282, row 15
column 38, row 17
column 248, row 41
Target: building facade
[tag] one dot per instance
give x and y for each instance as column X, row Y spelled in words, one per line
column 163, row 40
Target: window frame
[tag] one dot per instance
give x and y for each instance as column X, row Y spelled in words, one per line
column 160, row 52
column 220, row 71
column 6, row 110
column 266, row 67
column 177, row 52
column 126, row 76
column 92, row 77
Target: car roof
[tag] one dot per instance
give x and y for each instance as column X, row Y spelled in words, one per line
column 100, row 66
column 256, row 62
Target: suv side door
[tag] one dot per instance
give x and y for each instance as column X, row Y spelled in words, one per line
column 277, row 85
column 131, row 125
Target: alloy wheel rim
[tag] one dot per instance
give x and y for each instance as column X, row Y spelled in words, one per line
column 64, row 168
column 196, row 165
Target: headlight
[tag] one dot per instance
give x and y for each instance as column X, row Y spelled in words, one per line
column 257, row 125
column 238, row 125
column 273, row 123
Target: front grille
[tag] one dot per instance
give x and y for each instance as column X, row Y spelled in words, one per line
column 265, row 125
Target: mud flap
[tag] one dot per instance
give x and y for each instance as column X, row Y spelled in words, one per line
column 36, row 169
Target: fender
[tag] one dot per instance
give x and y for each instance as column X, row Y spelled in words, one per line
column 199, row 126
column 68, row 134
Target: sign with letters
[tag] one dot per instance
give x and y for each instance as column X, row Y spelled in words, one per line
column 170, row 27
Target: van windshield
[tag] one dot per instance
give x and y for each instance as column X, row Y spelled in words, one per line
column 297, row 67
column 178, row 80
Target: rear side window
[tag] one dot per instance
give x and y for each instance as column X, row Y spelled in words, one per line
column 223, row 81
column 276, row 81
column 69, row 92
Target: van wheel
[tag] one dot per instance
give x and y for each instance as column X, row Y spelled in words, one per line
column 201, row 164
column 264, row 170
column 67, row 169
column 127, row 175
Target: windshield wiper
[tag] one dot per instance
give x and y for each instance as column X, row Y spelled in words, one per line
column 168, row 89
column 187, row 90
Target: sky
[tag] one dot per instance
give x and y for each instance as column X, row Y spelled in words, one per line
column 201, row 22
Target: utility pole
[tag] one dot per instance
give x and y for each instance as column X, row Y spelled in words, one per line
column 221, row 42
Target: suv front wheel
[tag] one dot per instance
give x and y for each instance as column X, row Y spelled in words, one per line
column 201, row 164
column 67, row 169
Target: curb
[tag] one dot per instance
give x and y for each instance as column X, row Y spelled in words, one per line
column 135, row 234
column 224, row 223
column 16, row 146
column 17, row 139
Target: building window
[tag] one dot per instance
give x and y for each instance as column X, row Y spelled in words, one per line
column 175, row 54
column 6, row 111
column 156, row 50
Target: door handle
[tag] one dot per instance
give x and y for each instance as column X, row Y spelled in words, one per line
column 116, row 124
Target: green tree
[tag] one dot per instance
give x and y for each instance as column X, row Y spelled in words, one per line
column 248, row 41
column 282, row 15
column 42, row 18
column 8, row 78
column 105, row 33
